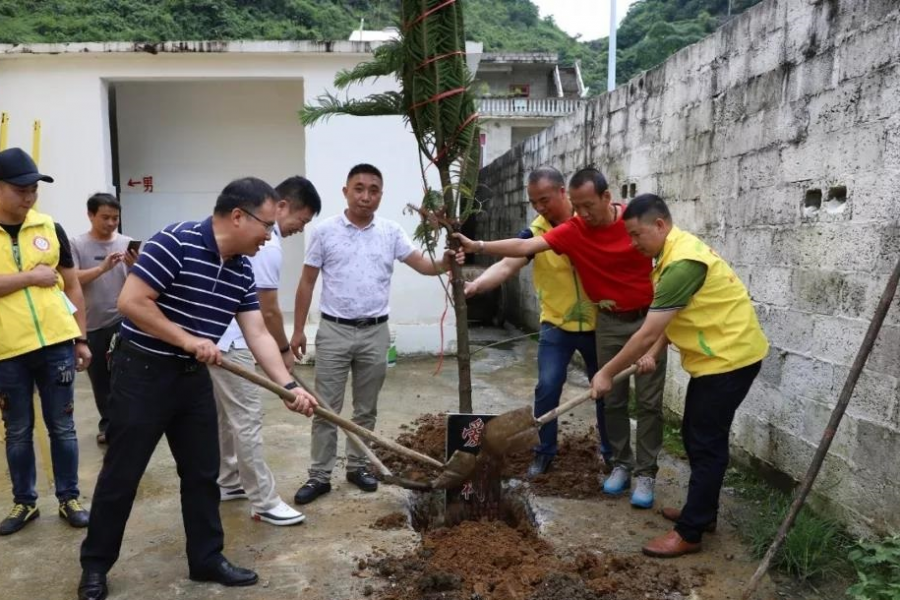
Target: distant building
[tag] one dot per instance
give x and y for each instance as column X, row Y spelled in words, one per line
column 165, row 126
column 521, row 94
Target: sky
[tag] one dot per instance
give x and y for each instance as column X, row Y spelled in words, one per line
column 590, row 18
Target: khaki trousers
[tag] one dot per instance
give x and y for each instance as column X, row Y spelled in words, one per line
column 340, row 351
column 239, row 408
column 612, row 334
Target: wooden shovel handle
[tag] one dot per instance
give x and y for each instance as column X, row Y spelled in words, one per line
column 330, row 416
column 567, row 406
column 361, row 445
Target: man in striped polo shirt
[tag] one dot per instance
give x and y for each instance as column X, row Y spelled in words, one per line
column 191, row 279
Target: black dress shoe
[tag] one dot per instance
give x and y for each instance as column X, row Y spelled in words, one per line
column 222, row 571
column 311, row 490
column 540, row 465
column 362, row 479
column 92, row 586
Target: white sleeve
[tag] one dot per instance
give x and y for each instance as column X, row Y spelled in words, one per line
column 403, row 247
column 267, row 267
column 314, row 256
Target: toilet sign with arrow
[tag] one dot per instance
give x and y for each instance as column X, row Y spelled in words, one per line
column 146, row 181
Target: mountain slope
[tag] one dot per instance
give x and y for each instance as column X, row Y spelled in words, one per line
column 651, row 31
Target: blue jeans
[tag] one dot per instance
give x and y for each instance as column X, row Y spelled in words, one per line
column 52, row 370
column 555, row 349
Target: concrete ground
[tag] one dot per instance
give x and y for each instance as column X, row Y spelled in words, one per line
column 317, row 560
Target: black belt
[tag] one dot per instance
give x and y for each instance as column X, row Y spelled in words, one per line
column 180, row 363
column 358, row 323
column 629, row 316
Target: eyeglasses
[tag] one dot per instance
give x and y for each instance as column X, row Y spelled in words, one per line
column 269, row 225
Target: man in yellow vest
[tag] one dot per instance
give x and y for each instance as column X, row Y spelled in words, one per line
column 567, row 315
column 702, row 308
column 42, row 342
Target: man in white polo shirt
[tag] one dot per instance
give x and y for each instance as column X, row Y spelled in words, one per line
column 243, row 472
column 355, row 252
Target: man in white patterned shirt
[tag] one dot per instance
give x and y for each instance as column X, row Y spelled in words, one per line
column 355, row 252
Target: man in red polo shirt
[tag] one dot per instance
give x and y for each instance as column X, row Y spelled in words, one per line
column 616, row 277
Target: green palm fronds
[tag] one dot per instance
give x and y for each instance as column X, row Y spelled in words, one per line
column 388, row 61
column 375, row 105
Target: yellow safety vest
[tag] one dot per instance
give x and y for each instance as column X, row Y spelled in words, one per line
column 717, row 332
column 563, row 301
column 33, row 317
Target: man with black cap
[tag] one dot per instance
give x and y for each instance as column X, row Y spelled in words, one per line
column 42, row 341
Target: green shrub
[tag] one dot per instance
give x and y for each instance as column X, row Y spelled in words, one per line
column 877, row 565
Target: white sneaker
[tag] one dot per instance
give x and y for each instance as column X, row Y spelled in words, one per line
column 280, row 515
column 226, row 494
column 642, row 496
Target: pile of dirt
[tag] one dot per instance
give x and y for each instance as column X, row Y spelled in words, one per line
column 490, row 560
column 395, row 520
column 573, row 474
column 426, row 438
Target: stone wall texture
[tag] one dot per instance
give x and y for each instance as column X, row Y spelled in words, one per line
column 777, row 140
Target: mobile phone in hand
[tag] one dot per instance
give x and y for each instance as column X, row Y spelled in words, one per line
column 135, row 246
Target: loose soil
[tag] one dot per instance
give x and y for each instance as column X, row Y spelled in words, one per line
column 493, row 560
column 573, row 473
column 490, row 560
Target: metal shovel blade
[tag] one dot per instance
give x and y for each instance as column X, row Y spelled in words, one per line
column 510, row 432
column 457, row 471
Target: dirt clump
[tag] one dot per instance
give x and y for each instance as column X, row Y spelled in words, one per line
column 396, row 520
column 573, row 473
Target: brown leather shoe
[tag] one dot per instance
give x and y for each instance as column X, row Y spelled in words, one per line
column 673, row 514
column 670, row 545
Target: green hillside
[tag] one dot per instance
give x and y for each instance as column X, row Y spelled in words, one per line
column 652, row 30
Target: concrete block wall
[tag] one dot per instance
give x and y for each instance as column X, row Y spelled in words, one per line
column 777, row 140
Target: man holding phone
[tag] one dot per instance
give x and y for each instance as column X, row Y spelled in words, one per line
column 103, row 257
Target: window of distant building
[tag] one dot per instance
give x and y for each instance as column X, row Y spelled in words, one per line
column 519, row 90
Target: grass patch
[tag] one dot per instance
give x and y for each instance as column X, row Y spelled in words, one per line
column 816, row 547
column 672, row 443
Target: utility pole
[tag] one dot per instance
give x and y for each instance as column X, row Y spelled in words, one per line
column 611, row 69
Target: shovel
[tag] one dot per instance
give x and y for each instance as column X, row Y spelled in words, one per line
column 517, row 430
column 454, row 473
column 384, row 474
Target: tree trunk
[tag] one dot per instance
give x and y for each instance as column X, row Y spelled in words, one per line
column 463, row 357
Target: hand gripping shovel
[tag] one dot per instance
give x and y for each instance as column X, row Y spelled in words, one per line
column 454, row 473
column 517, row 430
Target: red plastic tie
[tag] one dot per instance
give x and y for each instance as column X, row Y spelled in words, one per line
column 439, row 57
column 427, row 14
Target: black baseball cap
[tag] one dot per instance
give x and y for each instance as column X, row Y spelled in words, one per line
column 17, row 168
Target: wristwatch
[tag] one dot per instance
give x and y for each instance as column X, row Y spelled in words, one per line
column 285, row 349
column 291, row 385
column 80, row 340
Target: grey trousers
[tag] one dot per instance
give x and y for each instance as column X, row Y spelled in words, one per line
column 241, row 460
column 340, row 351
column 612, row 334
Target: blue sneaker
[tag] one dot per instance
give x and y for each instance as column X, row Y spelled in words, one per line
column 618, row 482
column 642, row 496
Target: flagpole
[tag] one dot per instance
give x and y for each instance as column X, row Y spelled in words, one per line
column 611, row 70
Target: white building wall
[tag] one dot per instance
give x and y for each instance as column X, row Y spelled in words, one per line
column 68, row 93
